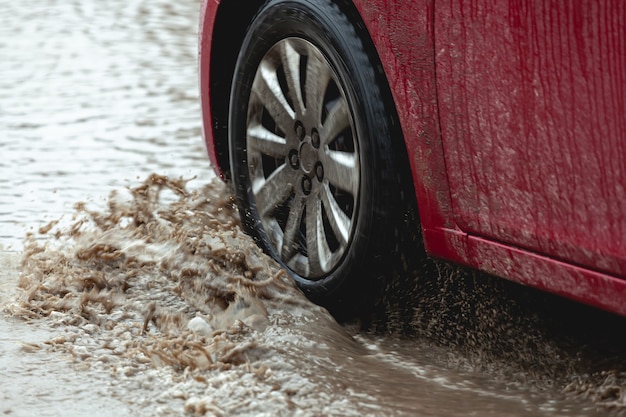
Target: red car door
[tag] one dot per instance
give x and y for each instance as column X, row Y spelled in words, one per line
column 532, row 98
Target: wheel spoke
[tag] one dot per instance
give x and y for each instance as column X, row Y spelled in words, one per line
column 342, row 170
column 267, row 90
column 291, row 64
column 317, row 248
column 339, row 221
column 318, row 75
column 262, row 140
column 270, row 193
column 297, row 179
column 290, row 242
column 300, row 264
column 337, row 121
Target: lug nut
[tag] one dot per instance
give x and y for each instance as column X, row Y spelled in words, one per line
column 294, row 161
column 315, row 139
column 307, row 185
column 319, row 171
column 300, row 130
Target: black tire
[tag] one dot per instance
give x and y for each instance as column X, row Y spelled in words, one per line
column 276, row 177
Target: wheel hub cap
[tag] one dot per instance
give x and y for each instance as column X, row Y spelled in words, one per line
column 308, row 157
column 303, row 158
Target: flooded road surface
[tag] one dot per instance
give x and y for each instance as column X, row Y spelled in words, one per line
column 146, row 299
column 93, row 96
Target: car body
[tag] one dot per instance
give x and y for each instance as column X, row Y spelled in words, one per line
column 513, row 116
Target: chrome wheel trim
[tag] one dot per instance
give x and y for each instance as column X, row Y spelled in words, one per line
column 303, row 158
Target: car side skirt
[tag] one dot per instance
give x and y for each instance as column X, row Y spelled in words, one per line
column 571, row 281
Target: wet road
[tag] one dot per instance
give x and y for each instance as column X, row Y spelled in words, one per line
column 93, row 97
column 118, row 314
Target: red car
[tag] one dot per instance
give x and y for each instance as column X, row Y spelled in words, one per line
column 503, row 122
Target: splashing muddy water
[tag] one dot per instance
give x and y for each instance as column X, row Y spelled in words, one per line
column 163, row 293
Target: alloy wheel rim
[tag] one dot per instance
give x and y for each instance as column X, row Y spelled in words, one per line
column 303, row 158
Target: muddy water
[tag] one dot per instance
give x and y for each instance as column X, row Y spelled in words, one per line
column 175, row 302
column 151, row 301
column 93, row 96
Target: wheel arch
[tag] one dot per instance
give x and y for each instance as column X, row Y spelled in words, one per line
column 231, row 22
